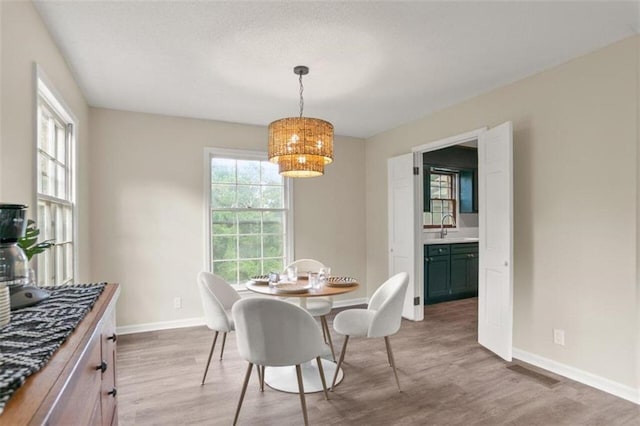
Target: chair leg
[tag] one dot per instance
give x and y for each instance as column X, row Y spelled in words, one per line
column 213, row 345
column 301, row 390
column 322, row 326
column 224, row 340
column 388, row 356
column 323, row 320
column 322, row 379
column 244, row 389
column 391, row 360
column 259, row 378
column 262, row 379
column 344, row 349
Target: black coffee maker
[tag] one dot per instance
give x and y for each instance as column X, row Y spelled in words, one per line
column 14, row 264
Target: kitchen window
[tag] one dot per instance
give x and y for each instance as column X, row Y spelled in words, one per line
column 442, row 199
column 249, row 215
column 55, row 188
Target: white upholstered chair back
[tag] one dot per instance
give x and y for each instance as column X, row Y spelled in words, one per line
column 274, row 333
column 306, row 265
column 387, row 302
column 317, row 306
column 217, row 299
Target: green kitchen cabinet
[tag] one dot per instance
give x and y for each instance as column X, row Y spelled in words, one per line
column 436, row 272
column 450, row 272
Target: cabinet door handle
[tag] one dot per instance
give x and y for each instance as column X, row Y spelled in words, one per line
column 102, row 367
column 113, row 337
column 113, row 392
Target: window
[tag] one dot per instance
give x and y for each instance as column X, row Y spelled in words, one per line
column 442, row 200
column 55, row 188
column 249, row 215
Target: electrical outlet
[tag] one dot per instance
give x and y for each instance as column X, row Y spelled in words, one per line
column 177, row 302
column 558, row 336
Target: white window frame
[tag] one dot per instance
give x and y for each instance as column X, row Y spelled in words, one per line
column 240, row 154
column 456, row 201
column 45, row 89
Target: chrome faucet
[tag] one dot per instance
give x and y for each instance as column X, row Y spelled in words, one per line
column 443, row 230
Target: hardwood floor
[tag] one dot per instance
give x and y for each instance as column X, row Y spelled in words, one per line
column 446, row 377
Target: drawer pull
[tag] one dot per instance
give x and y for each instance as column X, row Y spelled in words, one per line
column 113, row 392
column 426, row 259
column 102, row 367
column 113, row 337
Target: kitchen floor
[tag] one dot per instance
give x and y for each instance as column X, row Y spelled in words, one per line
column 446, row 377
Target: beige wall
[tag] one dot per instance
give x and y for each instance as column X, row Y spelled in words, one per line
column 575, row 177
column 638, row 217
column 147, row 208
column 25, row 41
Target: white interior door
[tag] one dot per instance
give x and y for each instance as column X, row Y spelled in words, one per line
column 495, row 286
column 402, row 234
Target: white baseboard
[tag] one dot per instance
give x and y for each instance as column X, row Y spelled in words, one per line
column 194, row 322
column 584, row 377
column 162, row 325
column 349, row 302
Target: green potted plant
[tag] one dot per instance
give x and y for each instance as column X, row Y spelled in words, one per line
column 30, row 245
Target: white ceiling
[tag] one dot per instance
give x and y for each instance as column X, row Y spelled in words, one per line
column 374, row 66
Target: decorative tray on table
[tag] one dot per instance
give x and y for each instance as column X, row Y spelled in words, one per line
column 260, row 279
column 341, row 282
column 292, row 288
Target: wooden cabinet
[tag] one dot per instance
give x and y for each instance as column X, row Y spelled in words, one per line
column 109, row 391
column 450, row 272
column 78, row 384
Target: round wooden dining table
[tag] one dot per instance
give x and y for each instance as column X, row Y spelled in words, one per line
column 284, row 378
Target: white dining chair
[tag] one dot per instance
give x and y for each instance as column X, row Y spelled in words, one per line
column 382, row 318
column 217, row 297
column 318, row 307
column 274, row 333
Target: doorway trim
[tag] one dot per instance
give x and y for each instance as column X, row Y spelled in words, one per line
column 421, row 149
column 450, row 141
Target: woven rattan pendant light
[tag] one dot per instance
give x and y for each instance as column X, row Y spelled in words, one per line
column 301, row 146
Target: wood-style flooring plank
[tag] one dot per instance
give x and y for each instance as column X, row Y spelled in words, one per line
column 446, row 376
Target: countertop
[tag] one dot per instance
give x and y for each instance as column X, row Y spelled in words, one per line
column 451, row 240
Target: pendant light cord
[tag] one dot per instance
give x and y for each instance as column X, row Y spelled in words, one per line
column 301, row 97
